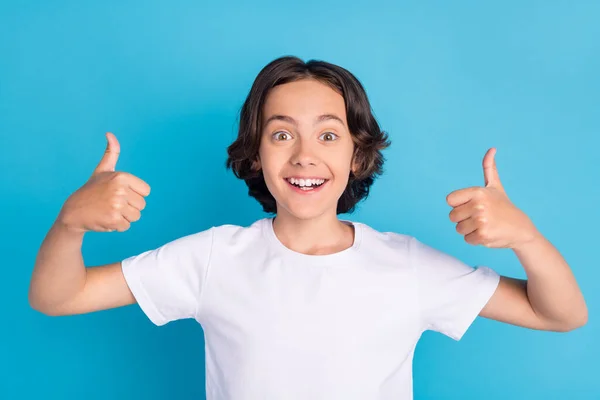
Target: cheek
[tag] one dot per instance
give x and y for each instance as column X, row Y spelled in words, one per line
column 343, row 161
column 271, row 163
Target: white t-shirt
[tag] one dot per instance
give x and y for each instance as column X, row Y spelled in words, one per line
column 284, row 325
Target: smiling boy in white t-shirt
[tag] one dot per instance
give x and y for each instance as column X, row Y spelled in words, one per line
column 305, row 305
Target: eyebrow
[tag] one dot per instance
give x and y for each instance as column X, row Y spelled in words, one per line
column 319, row 119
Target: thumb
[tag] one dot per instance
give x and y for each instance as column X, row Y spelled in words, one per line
column 111, row 155
column 490, row 171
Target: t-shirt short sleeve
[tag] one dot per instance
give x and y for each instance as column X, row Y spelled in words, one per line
column 451, row 293
column 167, row 282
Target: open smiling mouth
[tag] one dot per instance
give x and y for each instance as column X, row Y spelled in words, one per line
column 306, row 184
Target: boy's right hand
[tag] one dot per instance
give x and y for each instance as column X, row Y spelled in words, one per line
column 109, row 200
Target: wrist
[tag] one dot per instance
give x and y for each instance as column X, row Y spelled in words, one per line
column 62, row 225
column 531, row 240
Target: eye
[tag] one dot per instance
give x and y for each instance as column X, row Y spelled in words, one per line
column 328, row 136
column 281, row 136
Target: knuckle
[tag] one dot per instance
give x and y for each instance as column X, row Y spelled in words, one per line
column 120, row 190
column 479, row 214
column 483, row 234
column 123, row 226
column 114, row 217
column 120, row 177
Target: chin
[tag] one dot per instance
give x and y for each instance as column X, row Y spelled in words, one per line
column 303, row 212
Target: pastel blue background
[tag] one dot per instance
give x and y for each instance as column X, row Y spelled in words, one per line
column 447, row 80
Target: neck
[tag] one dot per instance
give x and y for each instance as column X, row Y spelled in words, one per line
column 321, row 235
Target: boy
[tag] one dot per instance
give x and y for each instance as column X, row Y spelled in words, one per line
column 305, row 305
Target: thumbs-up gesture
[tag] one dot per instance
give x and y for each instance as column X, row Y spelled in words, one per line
column 109, row 200
column 485, row 215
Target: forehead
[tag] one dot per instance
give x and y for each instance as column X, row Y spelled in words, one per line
column 304, row 99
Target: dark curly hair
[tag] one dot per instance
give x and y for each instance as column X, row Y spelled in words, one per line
column 368, row 138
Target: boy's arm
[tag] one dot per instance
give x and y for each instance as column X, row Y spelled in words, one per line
column 62, row 285
column 549, row 299
column 60, row 282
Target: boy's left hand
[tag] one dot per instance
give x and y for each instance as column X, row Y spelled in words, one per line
column 486, row 216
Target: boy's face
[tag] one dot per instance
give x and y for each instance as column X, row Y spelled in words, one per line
column 306, row 158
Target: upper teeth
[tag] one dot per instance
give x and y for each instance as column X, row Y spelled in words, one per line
column 306, row 182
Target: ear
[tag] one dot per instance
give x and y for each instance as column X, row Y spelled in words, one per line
column 354, row 166
column 256, row 165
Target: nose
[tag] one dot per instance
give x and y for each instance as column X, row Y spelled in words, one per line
column 303, row 154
